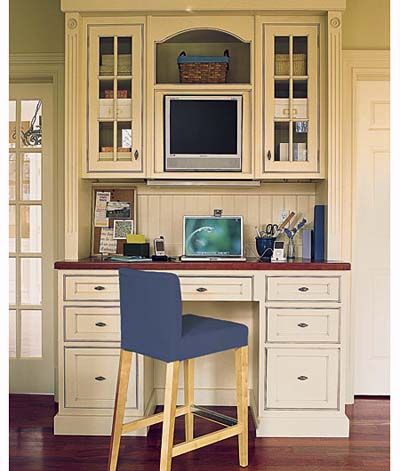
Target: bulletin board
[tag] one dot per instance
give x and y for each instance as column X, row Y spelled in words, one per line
column 110, row 203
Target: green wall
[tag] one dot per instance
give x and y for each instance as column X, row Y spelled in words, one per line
column 38, row 25
column 366, row 24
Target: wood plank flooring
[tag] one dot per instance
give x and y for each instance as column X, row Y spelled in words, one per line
column 33, row 446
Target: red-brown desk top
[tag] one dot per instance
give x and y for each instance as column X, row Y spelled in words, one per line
column 251, row 264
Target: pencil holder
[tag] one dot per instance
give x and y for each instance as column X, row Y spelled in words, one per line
column 265, row 247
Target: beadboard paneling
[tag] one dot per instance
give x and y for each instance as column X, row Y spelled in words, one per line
column 161, row 210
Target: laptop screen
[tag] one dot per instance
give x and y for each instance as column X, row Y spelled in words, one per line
column 206, row 236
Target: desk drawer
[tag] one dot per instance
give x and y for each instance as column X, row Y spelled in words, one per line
column 302, row 325
column 302, row 378
column 91, row 288
column 216, row 288
column 91, row 378
column 92, row 324
column 302, row 288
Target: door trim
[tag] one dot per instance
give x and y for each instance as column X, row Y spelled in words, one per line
column 358, row 66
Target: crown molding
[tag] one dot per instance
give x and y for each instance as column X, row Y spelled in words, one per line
column 191, row 6
column 36, row 58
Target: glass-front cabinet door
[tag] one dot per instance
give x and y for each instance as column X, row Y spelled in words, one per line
column 115, row 106
column 290, row 115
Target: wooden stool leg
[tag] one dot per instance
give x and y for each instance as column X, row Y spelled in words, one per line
column 125, row 360
column 241, row 363
column 189, row 397
column 171, row 389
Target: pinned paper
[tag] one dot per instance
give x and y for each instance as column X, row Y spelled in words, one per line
column 107, row 242
column 135, row 239
column 100, row 217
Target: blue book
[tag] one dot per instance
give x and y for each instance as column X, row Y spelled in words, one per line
column 319, row 233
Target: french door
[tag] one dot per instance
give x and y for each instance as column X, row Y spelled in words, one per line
column 31, row 239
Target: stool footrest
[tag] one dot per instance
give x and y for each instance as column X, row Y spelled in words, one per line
column 213, row 416
column 152, row 420
column 205, row 440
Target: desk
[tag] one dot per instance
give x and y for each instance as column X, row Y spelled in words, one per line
column 299, row 343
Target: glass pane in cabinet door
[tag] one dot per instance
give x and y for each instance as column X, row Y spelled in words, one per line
column 31, row 280
column 31, row 333
column 124, row 102
column 106, row 137
column 281, row 152
column 31, row 228
column 106, row 88
column 12, row 289
column 124, row 56
column 12, row 123
column 11, row 229
column 281, row 102
column 106, row 56
column 124, row 136
column 12, row 174
column 282, row 66
column 31, row 176
column 300, row 133
column 12, row 333
column 299, row 55
column 31, row 123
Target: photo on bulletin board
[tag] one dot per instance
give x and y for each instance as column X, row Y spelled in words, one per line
column 114, row 212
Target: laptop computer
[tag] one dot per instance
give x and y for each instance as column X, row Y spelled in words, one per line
column 208, row 238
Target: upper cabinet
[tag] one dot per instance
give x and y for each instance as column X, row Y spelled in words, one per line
column 115, row 101
column 291, row 129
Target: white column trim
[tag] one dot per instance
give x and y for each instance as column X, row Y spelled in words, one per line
column 334, row 200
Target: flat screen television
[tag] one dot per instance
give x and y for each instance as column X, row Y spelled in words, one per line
column 203, row 133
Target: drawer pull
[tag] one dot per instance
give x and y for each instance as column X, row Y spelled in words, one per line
column 100, row 324
column 99, row 288
column 100, row 378
column 302, row 378
column 303, row 289
column 302, row 324
column 201, row 290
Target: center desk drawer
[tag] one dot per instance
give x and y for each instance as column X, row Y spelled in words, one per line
column 91, row 378
column 92, row 324
column 91, row 288
column 302, row 288
column 216, row 288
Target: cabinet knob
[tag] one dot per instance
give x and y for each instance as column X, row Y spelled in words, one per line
column 269, row 155
column 302, row 378
column 99, row 288
column 303, row 289
column 100, row 378
column 201, row 290
column 136, row 154
column 302, row 324
column 100, row 324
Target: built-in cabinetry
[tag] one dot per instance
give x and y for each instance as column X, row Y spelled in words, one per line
column 129, row 65
column 301, row 340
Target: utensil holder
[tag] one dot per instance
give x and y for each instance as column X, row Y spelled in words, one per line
column 265, row 247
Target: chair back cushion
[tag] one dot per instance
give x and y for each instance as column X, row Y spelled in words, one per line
column 151, row 312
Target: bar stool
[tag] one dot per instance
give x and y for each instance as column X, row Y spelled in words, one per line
column 152, row 324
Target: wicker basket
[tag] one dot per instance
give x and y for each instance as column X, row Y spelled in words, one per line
column 282, row 66
column 203, row 69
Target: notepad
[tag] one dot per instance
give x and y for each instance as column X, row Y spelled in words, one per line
column 131, row 258
column 135, row 239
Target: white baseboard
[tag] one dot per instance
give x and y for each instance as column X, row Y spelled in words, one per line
column 303, row 426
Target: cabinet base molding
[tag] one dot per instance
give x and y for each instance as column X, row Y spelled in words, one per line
column 311, row 426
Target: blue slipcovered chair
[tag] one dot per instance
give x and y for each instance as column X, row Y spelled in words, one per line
column 152, row 324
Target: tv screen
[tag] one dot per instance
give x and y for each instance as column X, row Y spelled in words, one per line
column 213, row 236
column 203, row 126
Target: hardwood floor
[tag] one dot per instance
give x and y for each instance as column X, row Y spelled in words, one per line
column 33, row 446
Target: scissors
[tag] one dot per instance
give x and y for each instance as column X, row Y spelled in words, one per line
column 271, row 230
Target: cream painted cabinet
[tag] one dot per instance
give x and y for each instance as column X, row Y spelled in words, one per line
column 115, row 100
column 290, row 101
